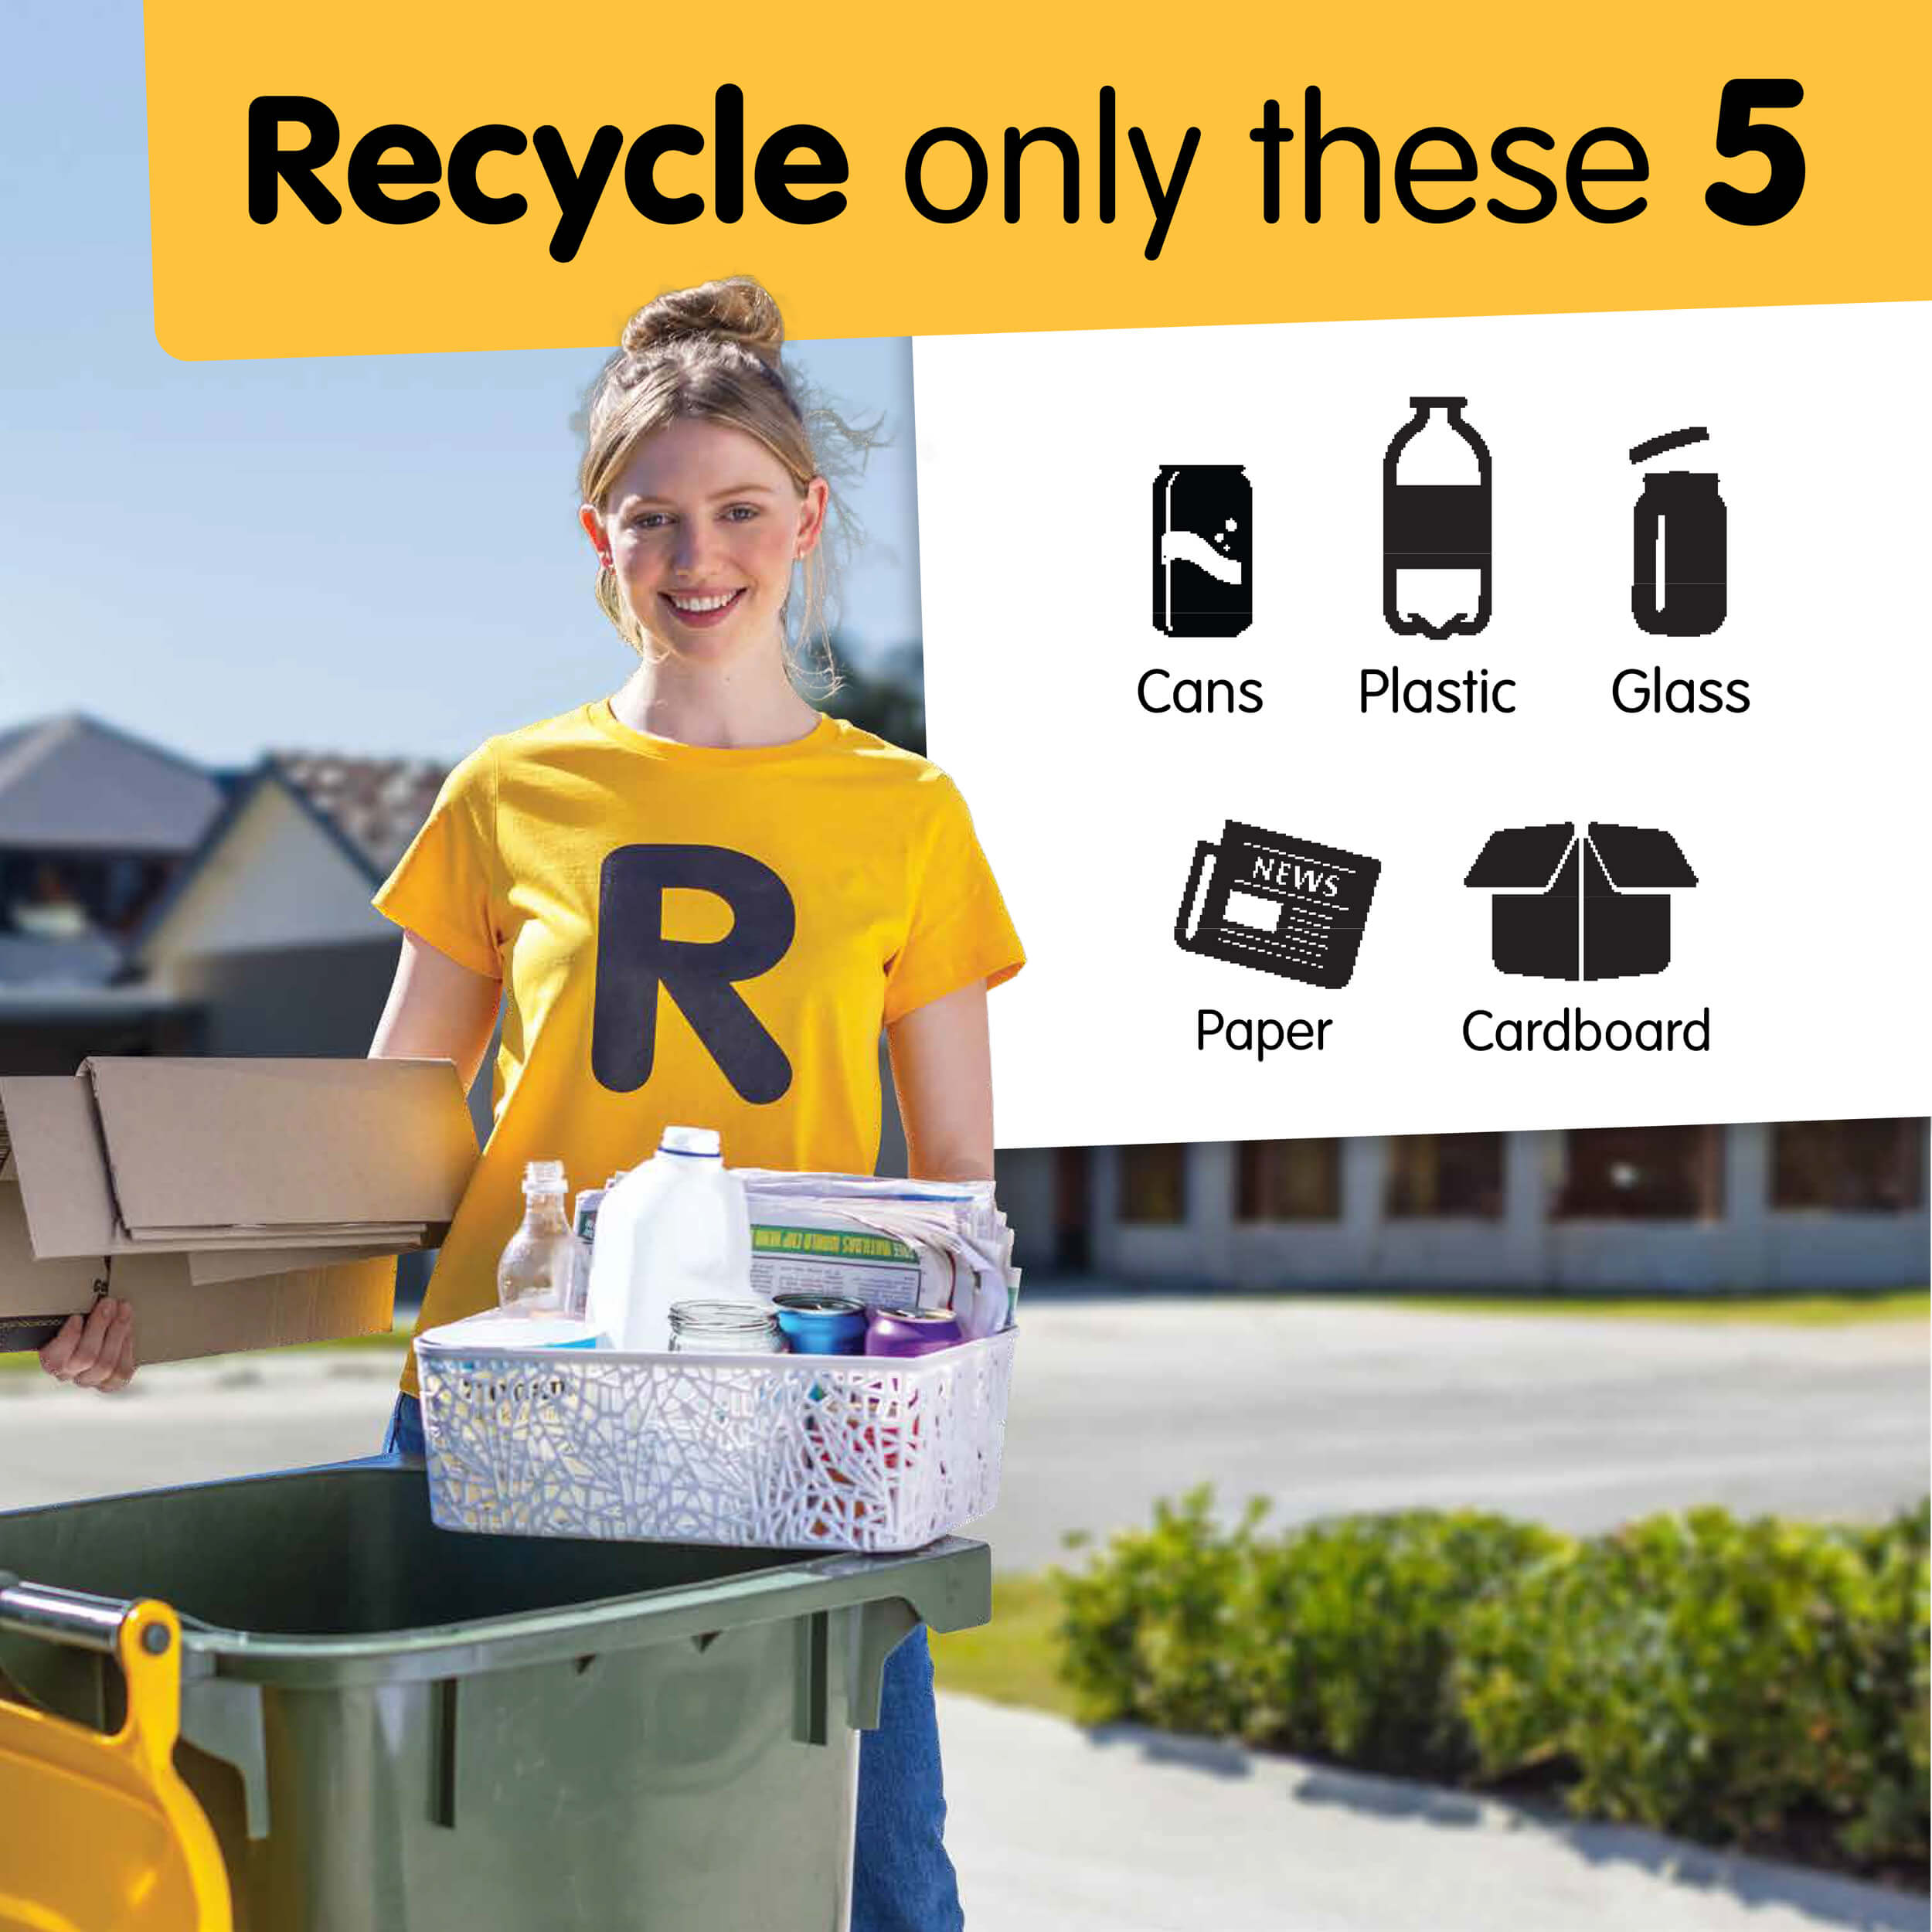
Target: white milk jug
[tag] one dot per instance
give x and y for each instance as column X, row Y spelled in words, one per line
column 676, row 1229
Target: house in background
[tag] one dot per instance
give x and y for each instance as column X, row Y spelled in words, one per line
column 95, row 825
column 267, row 933
column 148, row 905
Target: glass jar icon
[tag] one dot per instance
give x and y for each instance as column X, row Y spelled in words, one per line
column 1678, row 534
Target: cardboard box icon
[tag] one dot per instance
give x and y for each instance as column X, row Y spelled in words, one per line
column 1593, row 907
column 236, row 1203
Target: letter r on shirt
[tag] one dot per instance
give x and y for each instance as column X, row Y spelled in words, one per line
column 635, row 959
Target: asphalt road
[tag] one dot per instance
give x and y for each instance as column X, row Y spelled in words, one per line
column 1581, row 1423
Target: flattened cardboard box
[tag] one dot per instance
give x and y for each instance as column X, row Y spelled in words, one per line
column 236, row 1203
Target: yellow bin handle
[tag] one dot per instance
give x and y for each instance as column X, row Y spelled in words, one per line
column 98, row 1833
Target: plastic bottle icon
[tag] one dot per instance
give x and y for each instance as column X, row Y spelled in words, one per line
column 1435, row 523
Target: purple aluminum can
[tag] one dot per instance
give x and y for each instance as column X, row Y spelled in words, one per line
column 908, row 1331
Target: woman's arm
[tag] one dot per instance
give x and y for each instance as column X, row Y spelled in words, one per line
column 437, row 1010
column 943, row 1072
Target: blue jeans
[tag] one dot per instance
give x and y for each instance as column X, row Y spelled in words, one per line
column 903, row 1880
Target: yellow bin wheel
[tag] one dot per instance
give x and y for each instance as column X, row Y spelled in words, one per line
column 98, row 1833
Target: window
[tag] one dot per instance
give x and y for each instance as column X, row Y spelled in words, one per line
column 1642, row 1174
column 1867, row 1166
column 1444, row 1174
column 1288, row 1181
column 1073, row 1214
column 1154, row 1184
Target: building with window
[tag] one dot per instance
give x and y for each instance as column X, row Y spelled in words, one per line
column 1810, row 1204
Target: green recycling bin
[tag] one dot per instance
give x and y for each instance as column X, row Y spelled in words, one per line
column 393, row 1727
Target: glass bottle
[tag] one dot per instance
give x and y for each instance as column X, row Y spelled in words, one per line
column 542, row 1271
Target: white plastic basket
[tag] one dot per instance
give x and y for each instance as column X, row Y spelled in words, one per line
column 783, row 1452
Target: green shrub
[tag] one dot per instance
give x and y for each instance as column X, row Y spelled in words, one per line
column 1355, row 1634
column 1334, row 1638
column 1739, row 1682
column 1156, row 1630
column 1762, row 1684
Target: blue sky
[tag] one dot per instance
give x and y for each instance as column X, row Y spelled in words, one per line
column 376, row 554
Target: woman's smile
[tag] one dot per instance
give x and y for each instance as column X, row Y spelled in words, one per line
column 700, row 609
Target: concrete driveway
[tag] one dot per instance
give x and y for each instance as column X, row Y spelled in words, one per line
column 1055, row 1829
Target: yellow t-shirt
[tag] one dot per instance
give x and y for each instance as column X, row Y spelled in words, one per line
column 692, row 935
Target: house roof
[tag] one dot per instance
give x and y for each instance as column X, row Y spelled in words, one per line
column 376, row 805
column 368, row 808
column 73, row 783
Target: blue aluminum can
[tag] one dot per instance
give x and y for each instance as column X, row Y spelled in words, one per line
column 821, row 1323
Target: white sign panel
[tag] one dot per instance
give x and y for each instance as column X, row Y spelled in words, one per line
column 1417, row 727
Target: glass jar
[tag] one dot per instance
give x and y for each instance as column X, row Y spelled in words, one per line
column 725, row 1328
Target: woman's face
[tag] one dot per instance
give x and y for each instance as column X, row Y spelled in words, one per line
column 702, row 527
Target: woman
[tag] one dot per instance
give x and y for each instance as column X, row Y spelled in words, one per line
column 697, row 901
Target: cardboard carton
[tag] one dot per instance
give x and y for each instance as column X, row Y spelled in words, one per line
column 236, row 1203
column 1593, row 907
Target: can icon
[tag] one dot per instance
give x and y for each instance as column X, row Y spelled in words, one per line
column 1203, row 550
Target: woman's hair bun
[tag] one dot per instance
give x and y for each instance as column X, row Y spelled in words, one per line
column 735, row 310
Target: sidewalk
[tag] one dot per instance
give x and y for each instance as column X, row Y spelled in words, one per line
column 1055, row 1829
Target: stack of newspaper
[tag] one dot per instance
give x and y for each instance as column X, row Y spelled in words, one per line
column 900, row 1244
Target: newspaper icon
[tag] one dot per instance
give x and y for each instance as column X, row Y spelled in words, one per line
column 1281, row 905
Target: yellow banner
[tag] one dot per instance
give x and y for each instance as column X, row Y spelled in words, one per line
column 373, row 178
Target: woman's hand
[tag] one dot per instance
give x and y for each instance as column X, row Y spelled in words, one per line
column 97, row 1351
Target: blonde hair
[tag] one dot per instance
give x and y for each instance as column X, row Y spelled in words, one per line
column 713, row 353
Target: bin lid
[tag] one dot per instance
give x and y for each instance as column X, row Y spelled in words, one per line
column 117, row 1838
